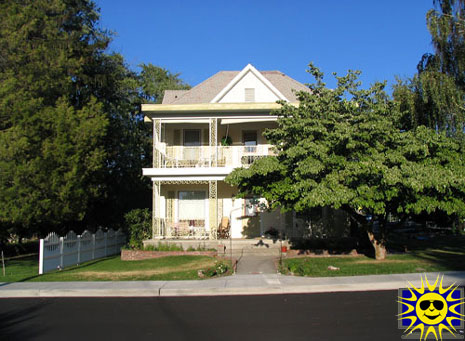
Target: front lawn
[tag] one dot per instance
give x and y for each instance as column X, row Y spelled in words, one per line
column 112, row 269
column 427, row 260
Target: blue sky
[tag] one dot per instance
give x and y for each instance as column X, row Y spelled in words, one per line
column 199, row 38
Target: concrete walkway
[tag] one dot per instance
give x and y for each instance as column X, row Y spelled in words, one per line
column 252, row 264
column 231, row 285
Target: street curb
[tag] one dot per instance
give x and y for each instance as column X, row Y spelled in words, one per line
column 224, row 286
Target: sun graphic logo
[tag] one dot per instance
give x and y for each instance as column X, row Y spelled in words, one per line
column 431, row 311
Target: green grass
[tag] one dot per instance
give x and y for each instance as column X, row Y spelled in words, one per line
column 111, row 269
column 446, row 253
column 415, row 261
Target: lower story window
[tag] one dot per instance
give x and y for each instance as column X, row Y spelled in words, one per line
column 191, row 208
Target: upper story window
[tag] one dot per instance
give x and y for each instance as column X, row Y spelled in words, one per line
column 249, row 94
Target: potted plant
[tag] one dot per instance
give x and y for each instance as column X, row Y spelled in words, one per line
column 226, row 141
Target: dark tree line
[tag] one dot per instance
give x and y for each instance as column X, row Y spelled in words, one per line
column 72, row 138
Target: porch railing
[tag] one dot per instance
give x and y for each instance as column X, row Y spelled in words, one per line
column 189, row 229
column 204, row 156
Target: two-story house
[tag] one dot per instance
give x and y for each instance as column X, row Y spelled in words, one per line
column 199, row 136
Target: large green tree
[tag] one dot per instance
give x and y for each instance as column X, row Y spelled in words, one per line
column 72, row 137
column 434, row 97
column 346, row 148
column 155, row 80
column 51, row 130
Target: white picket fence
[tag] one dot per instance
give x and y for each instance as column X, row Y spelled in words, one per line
column 58, row 252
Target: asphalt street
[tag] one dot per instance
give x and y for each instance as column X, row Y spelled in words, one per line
column 320, row 316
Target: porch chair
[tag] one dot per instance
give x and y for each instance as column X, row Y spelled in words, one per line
column 223, row 229
column 181, row 229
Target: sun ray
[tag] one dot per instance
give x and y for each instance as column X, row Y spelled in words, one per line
column 420, row 291
column 442, row 327
column 431, row 287
column 449, row 297
column 421, row 327
column 410, row 308
column 452, row 309
column 441, row 289
column 449, row 321
column 411, row 318
column 413, row 298
column 429, row 331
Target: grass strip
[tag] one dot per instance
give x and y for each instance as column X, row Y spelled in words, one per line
column 112, row 269
column 424, row 261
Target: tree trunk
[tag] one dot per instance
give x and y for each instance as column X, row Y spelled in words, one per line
column 379, row 245
column 378, row 241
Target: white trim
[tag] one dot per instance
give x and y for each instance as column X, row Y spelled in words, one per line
column 189, row 178
column 191, row 120
column 240, row 75
column 232, row 117
column 252, row 108
column 187, row 171
column 248, row 120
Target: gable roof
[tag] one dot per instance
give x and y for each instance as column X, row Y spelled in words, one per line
column 209, row 89
column 248, row 69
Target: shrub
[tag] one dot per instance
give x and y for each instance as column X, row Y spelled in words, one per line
column 139, row 223
column 218, row 269
column 163, row 247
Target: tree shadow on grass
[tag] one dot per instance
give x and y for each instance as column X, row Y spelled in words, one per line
column 332, row 246
column 446, row 251
column 68, row 269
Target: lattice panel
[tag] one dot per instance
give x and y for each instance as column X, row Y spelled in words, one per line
column 185, row 182
column 156, row 221
column 213, row 208
column 170, row 218
column 156, row 141
column 214, row 141
column 220, row 210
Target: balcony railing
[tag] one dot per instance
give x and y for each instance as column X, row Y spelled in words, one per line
column 204, row 156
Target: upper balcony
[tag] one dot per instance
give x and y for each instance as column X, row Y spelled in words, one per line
column 211, row 156
column 188, row 140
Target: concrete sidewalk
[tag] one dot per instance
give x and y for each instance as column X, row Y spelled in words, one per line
column 262, row 284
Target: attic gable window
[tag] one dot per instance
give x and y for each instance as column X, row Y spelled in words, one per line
column 249, row 94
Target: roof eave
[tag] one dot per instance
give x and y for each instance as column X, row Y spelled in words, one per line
column 155, row 110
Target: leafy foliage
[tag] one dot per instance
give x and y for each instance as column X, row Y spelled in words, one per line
column 347, row 148
column 72, row 137
column 51, row 130
column 139, row 223
column 435, row 96
column 155, row 80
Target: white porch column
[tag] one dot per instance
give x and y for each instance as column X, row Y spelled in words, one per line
column 156, row 141
column 156, row 221
column 213, row 143
column 213, row 207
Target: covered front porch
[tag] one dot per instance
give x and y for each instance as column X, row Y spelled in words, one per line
column 208, row 210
